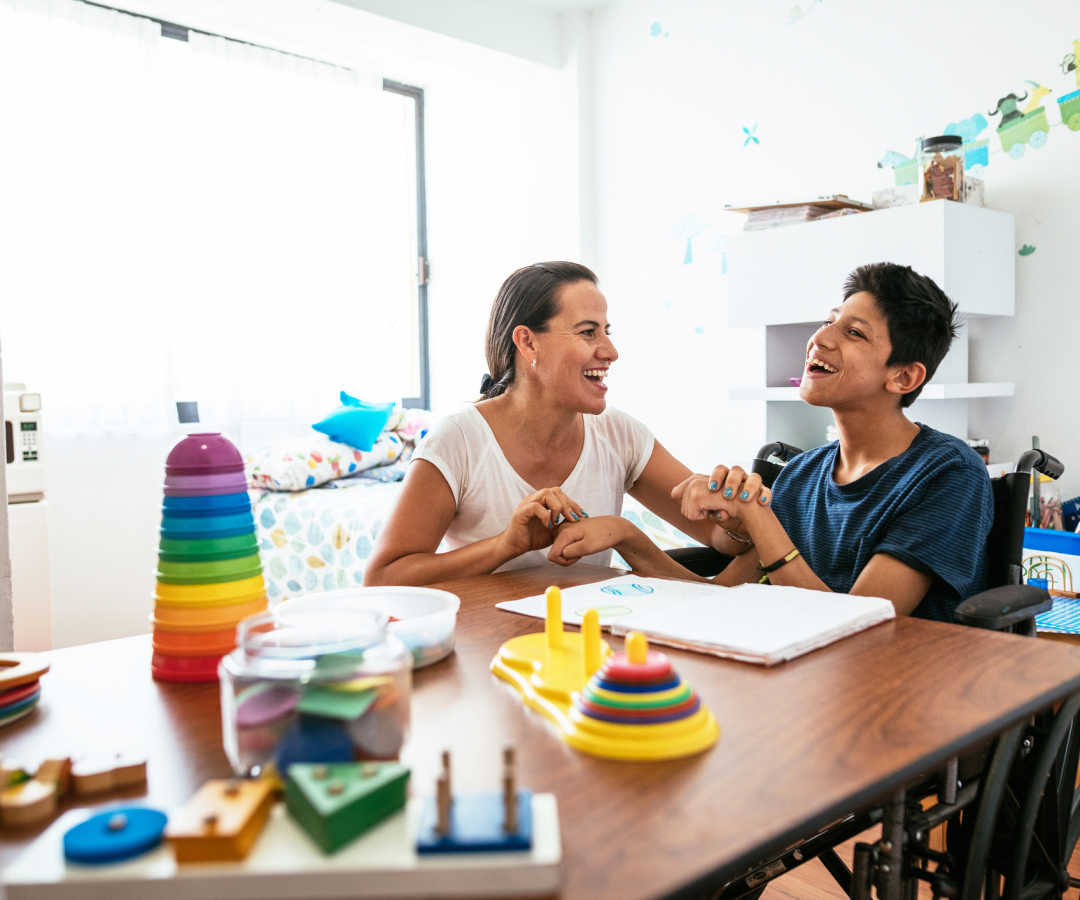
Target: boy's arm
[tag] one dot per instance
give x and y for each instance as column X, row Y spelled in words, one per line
column 884, row 576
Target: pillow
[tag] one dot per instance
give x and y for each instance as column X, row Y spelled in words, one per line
column 308, row 462
column 355, row 422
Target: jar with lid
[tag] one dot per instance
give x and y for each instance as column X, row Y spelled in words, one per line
column 314, row 682
column 941, row 162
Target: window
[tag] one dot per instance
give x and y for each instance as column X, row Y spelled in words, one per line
column 203, row 220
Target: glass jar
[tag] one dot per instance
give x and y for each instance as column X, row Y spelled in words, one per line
column 314, row 682
column 941, row 162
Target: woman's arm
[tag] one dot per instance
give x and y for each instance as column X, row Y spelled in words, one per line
column 405, row 552
column 653, row 491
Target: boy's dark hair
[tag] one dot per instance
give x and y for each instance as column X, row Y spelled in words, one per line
column 922, row 321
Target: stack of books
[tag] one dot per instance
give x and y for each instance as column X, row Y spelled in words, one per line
column 773, row 217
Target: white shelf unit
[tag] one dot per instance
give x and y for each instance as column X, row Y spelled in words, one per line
column 787, row 279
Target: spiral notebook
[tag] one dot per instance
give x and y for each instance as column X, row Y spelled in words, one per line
column 756, row 623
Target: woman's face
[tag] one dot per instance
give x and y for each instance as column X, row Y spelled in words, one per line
column 574, row 354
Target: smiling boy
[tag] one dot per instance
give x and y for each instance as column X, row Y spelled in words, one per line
column 893, row 509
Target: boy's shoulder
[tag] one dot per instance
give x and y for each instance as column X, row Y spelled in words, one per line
column 931, row 448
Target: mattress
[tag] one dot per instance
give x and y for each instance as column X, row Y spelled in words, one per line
column 321, row 540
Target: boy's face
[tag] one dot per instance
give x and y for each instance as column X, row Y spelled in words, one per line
column 845, row 359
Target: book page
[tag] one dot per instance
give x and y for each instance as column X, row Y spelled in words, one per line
column 617, row 600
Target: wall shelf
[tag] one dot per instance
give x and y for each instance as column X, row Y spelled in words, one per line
column 785, row 280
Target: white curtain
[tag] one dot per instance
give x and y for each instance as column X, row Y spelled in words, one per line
column 203, row 221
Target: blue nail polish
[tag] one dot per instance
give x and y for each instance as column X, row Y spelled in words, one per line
column 764, row 498
column 745, row 495
column 557, row 520
column 727, row 493
column 574, row 515
column 712, row 485
column 584, row 514
column 549, row 524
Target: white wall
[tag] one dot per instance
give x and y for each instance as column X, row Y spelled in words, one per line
column 502, row 169
column 830, row 93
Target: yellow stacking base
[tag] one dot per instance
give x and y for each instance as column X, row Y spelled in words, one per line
column 549, row 670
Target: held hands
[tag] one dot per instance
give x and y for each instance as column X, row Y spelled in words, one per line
column 577, row 539
column 729, row 494
column 533, row 525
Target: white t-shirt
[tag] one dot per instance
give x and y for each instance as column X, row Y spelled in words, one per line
column 487, row 490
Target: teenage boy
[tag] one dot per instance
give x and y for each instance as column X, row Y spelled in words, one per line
column 893, row 509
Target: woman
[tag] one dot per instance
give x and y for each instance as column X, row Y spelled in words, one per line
column 539, row 449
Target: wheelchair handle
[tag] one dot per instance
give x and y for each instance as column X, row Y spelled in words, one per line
column 1040, row 461
column 783, row 452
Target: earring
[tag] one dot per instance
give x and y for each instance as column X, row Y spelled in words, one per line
column 534, row 362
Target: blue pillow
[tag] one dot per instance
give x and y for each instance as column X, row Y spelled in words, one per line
column 356, row 423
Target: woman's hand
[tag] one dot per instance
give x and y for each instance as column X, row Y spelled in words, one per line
column 586, row 537
column 532, row 525
column 724, row 494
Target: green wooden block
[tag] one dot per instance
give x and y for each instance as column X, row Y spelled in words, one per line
column 336, row 704
column 337, row 802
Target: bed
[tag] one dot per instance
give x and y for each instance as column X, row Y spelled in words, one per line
column 321, row 539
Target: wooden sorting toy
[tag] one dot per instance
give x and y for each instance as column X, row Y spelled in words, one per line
column 221, row 821
column 630, row 706
column 337, row 803
column 20, row 688
column 30, row 800
column 476, row 823
column 95, row 775
column 114, row 836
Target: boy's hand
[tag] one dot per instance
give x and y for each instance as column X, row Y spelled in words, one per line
column 726, row 493
column 586, row 537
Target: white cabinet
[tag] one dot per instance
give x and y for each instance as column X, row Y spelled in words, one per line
column 786, row 280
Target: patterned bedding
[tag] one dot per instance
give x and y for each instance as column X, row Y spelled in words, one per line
column 321, row 539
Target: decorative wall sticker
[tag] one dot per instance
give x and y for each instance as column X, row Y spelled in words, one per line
column 719, row 246
column 1069, row 104
column 905, row 168
column 1037, row 93
column 797, row 12
column 687, row 230
column 699, row 330
column 1007, row 107
column 968, row 129
column 1027, row 250
column 749, row 132
column 1071, row 62
column 1018, row 128
column 656, row 28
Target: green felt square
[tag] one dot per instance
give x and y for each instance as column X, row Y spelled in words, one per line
column 348, row 705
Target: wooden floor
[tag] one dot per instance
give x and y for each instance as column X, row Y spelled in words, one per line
column 812, row 881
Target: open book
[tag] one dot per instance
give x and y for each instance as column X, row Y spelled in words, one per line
column 757, row 623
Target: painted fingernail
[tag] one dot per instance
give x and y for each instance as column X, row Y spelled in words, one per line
column 574, row 515
column 727, row 493
column 557, row 520
column 549, row 524
column 745, row 495
column 712, row 485
column 764, row 498
column 584, row 514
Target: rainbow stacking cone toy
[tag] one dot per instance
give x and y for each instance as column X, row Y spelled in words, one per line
column 209, row 572
column 630, row 705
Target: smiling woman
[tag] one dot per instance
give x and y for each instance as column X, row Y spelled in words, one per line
column 539, row 455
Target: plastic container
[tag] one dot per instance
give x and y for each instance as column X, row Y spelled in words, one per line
column 233, row 480
column 941, row 164
column 215, row 571
column 202, row 507
column 314, row 684
column 202, row 550
column 423, row 619
column 203, row 453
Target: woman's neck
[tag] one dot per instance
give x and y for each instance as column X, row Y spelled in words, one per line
column 868, row 438
column 533, row 421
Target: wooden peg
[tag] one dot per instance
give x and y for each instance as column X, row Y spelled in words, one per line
column 444, row 797
column 510, row 823
column 56, row 772
column 221, row 821
column 553, row 623
column 107, row 773
column 637, row 648
column 590, row 641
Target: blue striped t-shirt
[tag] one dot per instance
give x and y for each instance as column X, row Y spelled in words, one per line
column 931, row 507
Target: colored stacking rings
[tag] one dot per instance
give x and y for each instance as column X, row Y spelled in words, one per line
column 209, row 573
column 639, row 687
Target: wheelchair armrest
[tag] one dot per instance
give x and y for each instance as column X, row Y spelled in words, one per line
column 1001, row 607
column 703, row 561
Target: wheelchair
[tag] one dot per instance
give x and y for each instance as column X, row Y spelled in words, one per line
column 1011, row 813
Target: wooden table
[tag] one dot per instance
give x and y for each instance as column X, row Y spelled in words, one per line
column 802, row 744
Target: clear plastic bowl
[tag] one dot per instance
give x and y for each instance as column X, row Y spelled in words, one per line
column 307, row 684
column 424, row 619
